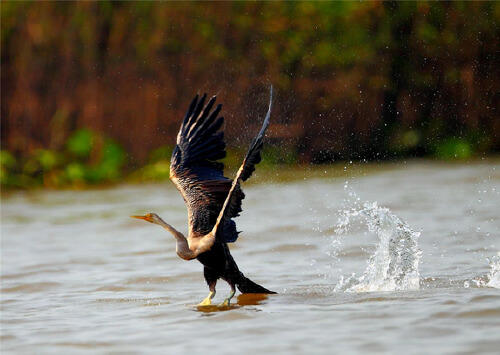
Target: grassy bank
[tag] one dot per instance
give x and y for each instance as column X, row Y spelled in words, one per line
column 89, row 158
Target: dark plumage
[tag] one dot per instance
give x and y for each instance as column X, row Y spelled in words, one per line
column 197, row 174
column 212, row 200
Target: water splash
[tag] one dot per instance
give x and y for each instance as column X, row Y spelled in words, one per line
column 394, row 264
column 494, row 275
column 490, row 280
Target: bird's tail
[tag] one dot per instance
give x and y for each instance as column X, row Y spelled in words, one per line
column 245, row 285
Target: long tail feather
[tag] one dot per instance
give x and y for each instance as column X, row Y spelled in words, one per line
column 245, row 285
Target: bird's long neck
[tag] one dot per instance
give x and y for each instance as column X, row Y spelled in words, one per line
column 182, row 246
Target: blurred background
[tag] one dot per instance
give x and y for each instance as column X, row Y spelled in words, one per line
column 94, row 92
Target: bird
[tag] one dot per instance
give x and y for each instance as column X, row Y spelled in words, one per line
column 212, row 200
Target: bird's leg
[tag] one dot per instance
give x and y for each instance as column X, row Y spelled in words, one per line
column 208, row 300
column 227, row 301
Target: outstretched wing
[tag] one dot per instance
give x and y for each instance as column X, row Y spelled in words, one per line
column 244, row 172
column 198, row 174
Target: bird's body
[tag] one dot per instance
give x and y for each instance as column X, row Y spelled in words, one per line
column 212, row 199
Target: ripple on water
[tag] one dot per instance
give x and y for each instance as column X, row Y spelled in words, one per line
column 31, row 287
column 154, row 301
column 148, row 280
column 80, row 276
column 293, row 247
column 112, row 288
column 286, row 229
column 353, row 252
column 480, row 313
column 85, row 345
column 20, row 275
column 144, row 252
column 483, row 298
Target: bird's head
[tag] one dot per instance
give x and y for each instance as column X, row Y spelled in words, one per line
column 154, row 218
column 150, row 217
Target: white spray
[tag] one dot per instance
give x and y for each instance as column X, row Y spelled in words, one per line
column 394, row 264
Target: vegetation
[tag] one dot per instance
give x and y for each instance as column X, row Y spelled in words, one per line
column 89, row 158
column 94, row 91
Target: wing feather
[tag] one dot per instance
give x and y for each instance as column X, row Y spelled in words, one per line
column 212, row 199
column 246, row 169
column 198, row 174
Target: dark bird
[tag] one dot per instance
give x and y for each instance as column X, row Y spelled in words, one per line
column 212, row 199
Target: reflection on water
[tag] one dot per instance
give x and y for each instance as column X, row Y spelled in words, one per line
column 242, row 300
column 78, row 275
column 252, row 299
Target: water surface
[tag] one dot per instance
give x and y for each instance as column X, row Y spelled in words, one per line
column 78, row 275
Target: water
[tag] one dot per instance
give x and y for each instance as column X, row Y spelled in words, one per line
column 394, row 264
column 493, row 279
column 402, row 259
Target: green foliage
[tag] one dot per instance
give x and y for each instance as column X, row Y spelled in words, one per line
column 75, row 172
column 276, row 155
column 80, row 143
column 7, row 162
column 158, row 167
column 161, row 153
column 83, row 161
column 454, row 148
column 355, row 79
column 157, row 171
column 47, row 159
column 110, row 164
